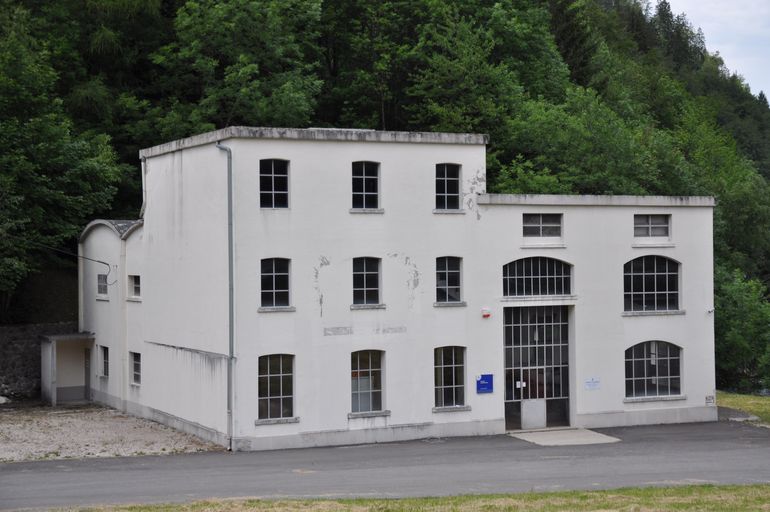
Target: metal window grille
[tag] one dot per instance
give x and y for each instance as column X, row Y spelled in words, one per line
column 105, row 361
column 448, row 279
column 366, row 380
column 537, row 276
column 275, row 282
column 651, row 225
column 447, row 187
column 274, row 183
column 653, row 369
column 651, row 283
column 275, row 386
column 136, row 368
column 449, row 375
column 101, row 284
column 536, row 352
column 541, row 224
column 366, row 281
column 366, row 185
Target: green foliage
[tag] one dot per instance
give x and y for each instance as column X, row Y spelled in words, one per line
column 240, row 62
column 742, row 331
column 51, row 179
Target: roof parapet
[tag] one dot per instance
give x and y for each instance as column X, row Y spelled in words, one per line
column 317, row 134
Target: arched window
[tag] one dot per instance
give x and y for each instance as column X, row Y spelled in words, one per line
column 276, row 386
column 537, row 276
column 651, row 283
column 653, row 369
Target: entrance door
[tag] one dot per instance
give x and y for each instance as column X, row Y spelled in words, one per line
column 536, row 367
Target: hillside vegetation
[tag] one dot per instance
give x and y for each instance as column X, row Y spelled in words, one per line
column 578, row 96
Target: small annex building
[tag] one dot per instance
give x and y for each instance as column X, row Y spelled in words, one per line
column 307, row 287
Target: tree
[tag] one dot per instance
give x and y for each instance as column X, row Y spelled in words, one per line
column 240, row 62
column 51, row 179
column 742, row 331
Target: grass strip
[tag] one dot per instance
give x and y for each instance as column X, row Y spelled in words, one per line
column 734, row 498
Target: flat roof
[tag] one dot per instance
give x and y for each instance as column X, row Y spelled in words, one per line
column 318, row 134
column 588, row 200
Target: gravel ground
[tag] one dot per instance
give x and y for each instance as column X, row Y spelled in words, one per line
column 34, row 432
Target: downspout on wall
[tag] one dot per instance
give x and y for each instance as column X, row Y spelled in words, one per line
column 230, row 295
column 144, row 187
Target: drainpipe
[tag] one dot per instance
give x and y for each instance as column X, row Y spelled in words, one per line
column 230, row 295
column 144, row 187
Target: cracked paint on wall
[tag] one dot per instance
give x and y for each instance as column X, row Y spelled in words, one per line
column 323, row 261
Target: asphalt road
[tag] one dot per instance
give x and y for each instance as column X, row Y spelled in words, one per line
column 724, row 452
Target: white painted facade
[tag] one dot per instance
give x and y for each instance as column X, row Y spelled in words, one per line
column 180, row 322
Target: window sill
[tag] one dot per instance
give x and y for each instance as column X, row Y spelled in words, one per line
column 133, row 299
column 103, row 298
column 368, row 210
column 544, row 246
column 370, row 414
column 449, row 212
column 459, row 304
column 354, row 307
column 669, row 398
column 452, row 408
column 652, row 245
column 135, row 384
column 104, row 377
column 277, row 309
column 276, row 421
column 654, row 313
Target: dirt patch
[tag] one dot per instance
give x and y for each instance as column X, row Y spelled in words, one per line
column 34, row 432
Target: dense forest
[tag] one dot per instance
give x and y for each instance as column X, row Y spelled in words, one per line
column 578, row 96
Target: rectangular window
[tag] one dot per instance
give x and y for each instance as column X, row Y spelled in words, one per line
column 276, row 386
column 542, row 224
column 101, row 284
column 447, row 187
column 366, row 185
column 136, row 367
column 448, row 279
column 651, row 225
column 134, row 286
column 449, row 373
column 105, row 361
column 274, row 183
column 366, row 380
column 366, row 281
column 275, row 282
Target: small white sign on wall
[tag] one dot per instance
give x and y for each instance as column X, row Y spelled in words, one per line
column 593, row 384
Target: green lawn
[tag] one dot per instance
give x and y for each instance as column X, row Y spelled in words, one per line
column 733, row 498
column 759, row 406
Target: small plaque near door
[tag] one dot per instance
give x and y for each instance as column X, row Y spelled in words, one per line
column 484, row 383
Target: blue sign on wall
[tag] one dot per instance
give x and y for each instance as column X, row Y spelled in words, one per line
column 484, row 383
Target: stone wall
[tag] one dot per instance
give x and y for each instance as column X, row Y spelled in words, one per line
column 20, row 357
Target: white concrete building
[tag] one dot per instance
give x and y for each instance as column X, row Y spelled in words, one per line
column 291, row 287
